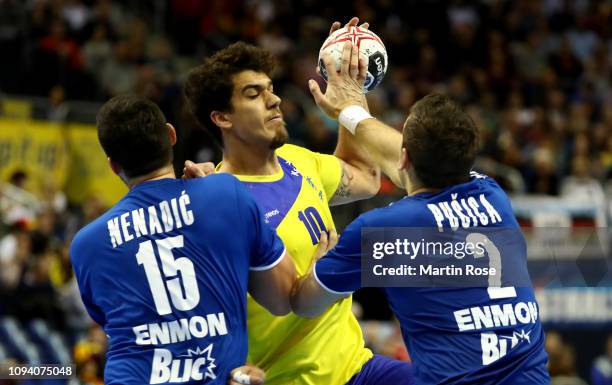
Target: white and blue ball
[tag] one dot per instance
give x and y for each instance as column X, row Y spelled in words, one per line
column 370, row 46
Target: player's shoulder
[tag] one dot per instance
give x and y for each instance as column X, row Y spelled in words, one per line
column 290, row 150
column 302, row 159
column 402, row 212
column 88, row 238
column 490, row 187
column 297, row 154
column 394, row 215
column 213, row 183
column 217, row 194
column 309, row 162
column 484, row 179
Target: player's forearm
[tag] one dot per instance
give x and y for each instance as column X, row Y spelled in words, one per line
column 272, row 288
column 383, row 144
column 351, row 151
column 307, row 299
column 303, row 304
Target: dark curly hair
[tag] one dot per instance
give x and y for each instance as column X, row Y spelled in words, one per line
column 441, row 140
column 209, row 86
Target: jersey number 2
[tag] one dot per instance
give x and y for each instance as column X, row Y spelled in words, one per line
column 495, row 290
column 178, row 279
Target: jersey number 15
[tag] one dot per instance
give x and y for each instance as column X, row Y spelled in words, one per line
column 178, row 279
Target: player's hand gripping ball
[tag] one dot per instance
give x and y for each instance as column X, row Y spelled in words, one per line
column 370, row 46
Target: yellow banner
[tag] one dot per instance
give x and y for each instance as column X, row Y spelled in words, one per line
column 90, row 173
column 68, row 157
column 38, row 148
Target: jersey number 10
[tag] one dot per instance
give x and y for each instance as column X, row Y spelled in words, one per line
column 178, row 279
column 311, row 218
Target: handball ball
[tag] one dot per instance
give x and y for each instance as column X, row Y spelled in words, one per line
column 369, row 45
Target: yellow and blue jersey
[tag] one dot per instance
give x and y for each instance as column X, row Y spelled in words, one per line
column 293, row 350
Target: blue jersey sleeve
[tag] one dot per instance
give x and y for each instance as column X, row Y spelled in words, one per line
column 84, row 283
column 267, row 248
column 339, row 271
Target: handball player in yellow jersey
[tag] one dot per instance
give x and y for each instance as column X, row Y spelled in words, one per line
column 231, row 94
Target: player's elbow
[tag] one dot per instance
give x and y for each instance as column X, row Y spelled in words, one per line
column 303, row 309
column 278, row 305
column 375, row 186
column 307, row 313
column 274, row 299
column 372, row 183
column 304, row 313
column 280, row 308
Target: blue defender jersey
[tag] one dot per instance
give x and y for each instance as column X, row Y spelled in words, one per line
column 455, row 335
column 165, row 273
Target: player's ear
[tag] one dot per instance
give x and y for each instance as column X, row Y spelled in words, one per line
column 171, row 133
column 119, row 171
column 114, row 166
column 221, row 119
column 404, row 160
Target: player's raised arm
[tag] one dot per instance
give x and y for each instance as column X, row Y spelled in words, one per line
column 360, row 177
column 373, row 143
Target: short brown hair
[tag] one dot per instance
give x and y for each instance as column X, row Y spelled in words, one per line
column 209, row 86
column 441, row 141
column 132, row 131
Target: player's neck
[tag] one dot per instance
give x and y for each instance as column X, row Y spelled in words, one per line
column 421, row 190
column 250, row 162
column 415, row 186
column 160, row 173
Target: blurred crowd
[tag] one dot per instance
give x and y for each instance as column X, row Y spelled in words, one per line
column 536, row 76
column 36, row 277
column 562, row 362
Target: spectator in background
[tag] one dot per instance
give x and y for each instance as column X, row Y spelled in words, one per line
column 76, row 14
column 580, row 186
column 37, row 296
column 14, row 251
column 61, row 47
column 58, row 109
column 97, row 50
column 561, row 361
column 582, row 39
column 89, row 356
column 119, row 74
column 543, row 177
column 567, row 67
column 16, row 203
column 601, row 372
column 109, row 13
column 567, row 374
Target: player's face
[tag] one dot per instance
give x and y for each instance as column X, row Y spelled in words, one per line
column 256, row 116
